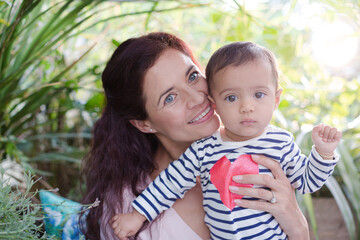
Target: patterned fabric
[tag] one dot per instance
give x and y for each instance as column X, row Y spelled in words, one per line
column 307, row 174
column 61, row 216
column 160, row 229
column 71, row 229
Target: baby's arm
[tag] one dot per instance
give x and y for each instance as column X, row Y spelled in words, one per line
column 160, row 195
column 309, row 174
column 326, row 139
column 128, row 224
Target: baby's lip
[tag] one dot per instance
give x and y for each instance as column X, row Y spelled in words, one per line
column 248, row 121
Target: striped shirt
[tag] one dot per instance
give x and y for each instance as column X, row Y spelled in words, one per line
column 307, row 174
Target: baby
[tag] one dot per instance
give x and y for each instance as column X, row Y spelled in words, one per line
column 243, row 84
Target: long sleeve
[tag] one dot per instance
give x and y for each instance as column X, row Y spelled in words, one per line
column 170, row 185
column 306, row 174
column 160, row 229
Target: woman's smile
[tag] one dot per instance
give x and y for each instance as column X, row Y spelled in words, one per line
column 203, row 116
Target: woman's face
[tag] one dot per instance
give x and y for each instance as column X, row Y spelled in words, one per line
column 176, row 99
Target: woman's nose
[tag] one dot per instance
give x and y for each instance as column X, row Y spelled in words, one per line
column 194, row 98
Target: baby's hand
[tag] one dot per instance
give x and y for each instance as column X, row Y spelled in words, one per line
column 128, row 224
column 326, row 139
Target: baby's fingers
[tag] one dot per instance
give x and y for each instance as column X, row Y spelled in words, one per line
column 325, row 133
column 337, row 136
column 114, row 218
column 319, row 130
column 114, row 225
column 331, row 134
column 120, row 233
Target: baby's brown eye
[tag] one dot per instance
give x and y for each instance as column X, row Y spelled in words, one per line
column 259, row 95
column 231, row 98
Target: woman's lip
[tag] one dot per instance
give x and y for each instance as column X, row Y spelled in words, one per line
column 209, row 112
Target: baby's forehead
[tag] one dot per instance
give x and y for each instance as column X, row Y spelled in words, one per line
column 258, row 70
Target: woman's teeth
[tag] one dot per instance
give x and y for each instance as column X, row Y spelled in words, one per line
column 201, row 115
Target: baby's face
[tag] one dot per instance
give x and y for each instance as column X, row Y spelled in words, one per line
column 245, row 98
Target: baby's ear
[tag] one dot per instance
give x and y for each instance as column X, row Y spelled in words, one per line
column 277, row 97
column 213, row 105
column 143, row 125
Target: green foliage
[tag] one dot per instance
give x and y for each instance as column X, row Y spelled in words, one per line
column 19, row 217
column 31, row 84
column 49, row 102
column 310, row 207
column 343, row 205
column 342, row 185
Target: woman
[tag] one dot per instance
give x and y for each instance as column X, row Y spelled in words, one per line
column 156, row 107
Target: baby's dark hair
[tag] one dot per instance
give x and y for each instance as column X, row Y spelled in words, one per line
column 236, row 54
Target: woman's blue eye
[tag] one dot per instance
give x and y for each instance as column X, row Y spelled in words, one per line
column 259, row 95
column 231, row 98
column 193, row 76
column 169, row 98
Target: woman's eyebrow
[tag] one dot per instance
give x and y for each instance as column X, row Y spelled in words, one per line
column 189, row 69
column 164, row 93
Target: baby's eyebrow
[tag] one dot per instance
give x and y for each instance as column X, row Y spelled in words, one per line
column 225, row 90
column 262, row 87
column 253, row 88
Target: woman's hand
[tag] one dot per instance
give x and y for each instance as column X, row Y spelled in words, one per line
column 285, row 209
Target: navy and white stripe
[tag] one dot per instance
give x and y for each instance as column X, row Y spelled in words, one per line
column 307, row 174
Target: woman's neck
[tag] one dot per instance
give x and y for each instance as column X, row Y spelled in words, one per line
column 167, row 152
column 173, row 148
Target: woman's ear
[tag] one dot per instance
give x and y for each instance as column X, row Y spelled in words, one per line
column 213, row 105
column 143, row 126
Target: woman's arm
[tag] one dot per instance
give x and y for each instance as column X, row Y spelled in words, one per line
column 285, row 209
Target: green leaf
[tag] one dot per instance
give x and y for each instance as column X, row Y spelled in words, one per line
column 343, row 205
column 3, row 21
column 116, row 43
column 350, row 176
column 310, row 207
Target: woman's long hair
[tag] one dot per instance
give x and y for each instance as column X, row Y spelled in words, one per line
column 121, row 156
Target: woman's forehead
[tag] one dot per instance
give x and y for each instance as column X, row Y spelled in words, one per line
column 168, row 71
column 170, row 60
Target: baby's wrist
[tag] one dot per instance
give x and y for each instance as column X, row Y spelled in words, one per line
column 326, row 155
column 139, row 216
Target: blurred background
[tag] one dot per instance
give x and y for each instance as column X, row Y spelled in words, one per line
column 52, row 54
